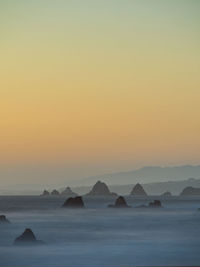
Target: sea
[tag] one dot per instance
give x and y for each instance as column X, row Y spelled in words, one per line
column 98, row 236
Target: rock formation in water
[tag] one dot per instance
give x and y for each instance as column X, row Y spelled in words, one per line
column 100, row 189
column 166, row 194
column 68, row 192
column 119, row 203
column 155, row 204
column 27, row 238
column 138, row 190
column 190, row 191
column 55, row 193
column 3, row 219
column 74, row 202
column 45, row 193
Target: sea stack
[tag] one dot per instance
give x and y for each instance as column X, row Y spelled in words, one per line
column 155, row 204
column 45, row 193
column 3, row 219
column 138, row 190
column 74, row 202
column 68, row 192
column 119, row 203
column 55, row 193
column 190, row 191
column 100, row 189
column 27, row 238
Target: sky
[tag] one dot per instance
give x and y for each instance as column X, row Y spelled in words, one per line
column 89, row 87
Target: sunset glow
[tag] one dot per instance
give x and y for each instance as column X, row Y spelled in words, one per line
column 114, row 83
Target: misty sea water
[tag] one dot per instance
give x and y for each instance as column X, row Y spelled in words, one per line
column 101, row 236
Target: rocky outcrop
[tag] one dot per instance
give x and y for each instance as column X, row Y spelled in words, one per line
column 74, row 202
column 45, row 193
column 27, row 238
column 138, row 190
column 68, row 192
column 3, row 219
column 100, row 189
column 166, row 194
column 155, row 204
column 190, row 191
column 119, row 203
column 55, row 193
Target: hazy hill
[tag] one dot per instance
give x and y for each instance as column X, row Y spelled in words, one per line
column 156, row 180
column 146, row 175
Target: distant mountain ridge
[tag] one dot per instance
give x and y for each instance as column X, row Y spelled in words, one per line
column 158, row 188
column 146, row 175
column 155, row 180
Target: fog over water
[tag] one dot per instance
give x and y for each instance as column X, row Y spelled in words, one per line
column 101, row 236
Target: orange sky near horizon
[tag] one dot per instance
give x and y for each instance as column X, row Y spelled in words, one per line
column 116, row 83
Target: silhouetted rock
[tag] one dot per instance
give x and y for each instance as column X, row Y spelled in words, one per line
column 166, row 194
column 3, row 219
column 100, row 189
column 55, row 193
column 119, row 203
column 138, row 190
column 190, row 191
column 74, row 202
column 27, row 238
column 45, row 193
column 155, row 204
column 68, row 192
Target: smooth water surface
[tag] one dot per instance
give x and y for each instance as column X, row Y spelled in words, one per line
column 98, row 236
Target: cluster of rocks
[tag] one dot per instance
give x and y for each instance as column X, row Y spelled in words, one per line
column 28, row 238
column 67, row 191
column 74, row 201
column 120, row 202
column 138, row 190
column 53, row 193
column 153, row 204
column 99, row 189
